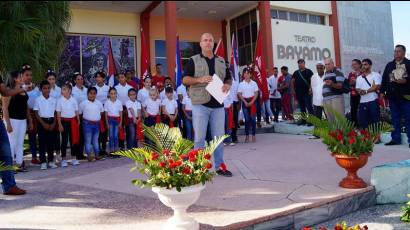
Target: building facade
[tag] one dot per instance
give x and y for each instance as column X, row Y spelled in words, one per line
column 289, row 30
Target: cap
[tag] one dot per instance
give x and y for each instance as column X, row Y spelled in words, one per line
column 320, row 63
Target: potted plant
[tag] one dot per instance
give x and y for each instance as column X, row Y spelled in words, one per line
column 349, row 146
column 174, row 170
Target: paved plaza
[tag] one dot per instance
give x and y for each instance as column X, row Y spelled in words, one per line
column 275, row 177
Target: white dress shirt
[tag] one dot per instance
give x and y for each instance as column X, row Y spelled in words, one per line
column 91, row 110
column 188, row 103
column 67, row 107
column 152, row 107
column 143, row 94
column 170, row 106
column 248, row 89
column 55, row 92
column 113, row 109
column 122, row 93
column 45, row 107
column 133, row 105
column 79, row 94
column 317, row 89
column 273, row 87
column 102, row 93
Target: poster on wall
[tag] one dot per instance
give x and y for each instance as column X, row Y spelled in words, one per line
column 94, row 56
column 123, row 49
column 70, row 60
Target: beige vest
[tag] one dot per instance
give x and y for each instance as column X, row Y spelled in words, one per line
column 198, row 93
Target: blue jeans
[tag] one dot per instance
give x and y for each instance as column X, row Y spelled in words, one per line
column 131, row 140
column 201, row 115
column 113, row 134
column 7, row 177
column 369, row 113
column 399, row 109
column 228, row 131
column 250, row 121
column 188, row 127
column 91, row 132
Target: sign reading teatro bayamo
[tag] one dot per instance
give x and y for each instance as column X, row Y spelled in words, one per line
column 295, row 40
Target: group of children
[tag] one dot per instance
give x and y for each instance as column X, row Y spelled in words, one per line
column 87, row 118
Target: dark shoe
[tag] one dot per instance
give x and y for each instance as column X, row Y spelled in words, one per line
column 391, row 143
column 225, row 173
column 81, row 157
column 301, row 122
column 259, row 125
column 21, row 168
column 102, row 153
column 15, row 191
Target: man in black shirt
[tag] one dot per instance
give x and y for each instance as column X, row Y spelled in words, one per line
column 205, row 108
column 302, row 87
column 7, row 177
column 396, row 87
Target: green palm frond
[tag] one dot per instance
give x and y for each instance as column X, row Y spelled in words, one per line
column 34, row 33
column 212, row 145
column 7, row 168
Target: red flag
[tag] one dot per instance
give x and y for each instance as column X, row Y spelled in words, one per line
column 220, row 51
column 111, row 66
column 260, row 69
column 144, row 57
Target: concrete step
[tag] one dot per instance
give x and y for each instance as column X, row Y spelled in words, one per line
column 311, row 214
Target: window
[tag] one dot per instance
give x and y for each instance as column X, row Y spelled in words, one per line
column 297, row 17
column 274, row 14
column 283, row 15
column 293, row 16
column 187, row 49
column 245, row 30
column 302, row 17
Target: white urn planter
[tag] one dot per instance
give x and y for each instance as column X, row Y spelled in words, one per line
column 179, row 202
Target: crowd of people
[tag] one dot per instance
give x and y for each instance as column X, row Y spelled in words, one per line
column 112, row 111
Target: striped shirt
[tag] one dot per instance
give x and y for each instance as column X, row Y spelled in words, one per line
column 336, row 77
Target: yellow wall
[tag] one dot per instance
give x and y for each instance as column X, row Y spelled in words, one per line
column 187, row 29
column 104, row 22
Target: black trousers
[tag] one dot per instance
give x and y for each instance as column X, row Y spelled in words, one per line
column 236, row 109
column 102, row 141
column 47, row 141
column 318, row 111
column 65, row 136
column 275, row 106
column 354, row 108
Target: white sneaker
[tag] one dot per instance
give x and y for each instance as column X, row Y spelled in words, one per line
column 52, row 165
column 43, row 166
column 75, row 162
column 64, row 163
column 225, row 144
column 232, row 144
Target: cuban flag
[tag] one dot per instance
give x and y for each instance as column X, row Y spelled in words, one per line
column 178, row 65
column 234, row 66
column 235, row 61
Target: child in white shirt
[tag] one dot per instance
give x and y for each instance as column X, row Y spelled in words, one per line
column 91, row 110
column 44, row 108
column 134, row 120
column 113, row 116
column 151, row 108
column 187, row 108
column 169, row 108
column 68, row 125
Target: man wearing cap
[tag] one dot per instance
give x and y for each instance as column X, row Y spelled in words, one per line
column 198, row 73
column 317, row 88
column 301, row 80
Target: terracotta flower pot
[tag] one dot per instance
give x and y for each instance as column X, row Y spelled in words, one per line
column 352, row 165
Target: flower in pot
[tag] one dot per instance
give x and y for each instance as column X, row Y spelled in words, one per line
column 174, row 170
column 349, row 146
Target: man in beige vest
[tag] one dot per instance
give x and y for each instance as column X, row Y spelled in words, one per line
column 198, row 73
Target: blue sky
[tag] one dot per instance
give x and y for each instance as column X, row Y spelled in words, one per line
column 401, row 23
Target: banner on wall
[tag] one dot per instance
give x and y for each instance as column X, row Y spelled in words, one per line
column 123, row 49
column 94, row 57
column 69, row 60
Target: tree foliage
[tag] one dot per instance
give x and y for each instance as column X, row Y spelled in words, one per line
column 32, row 32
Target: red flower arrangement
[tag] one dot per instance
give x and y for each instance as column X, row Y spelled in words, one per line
column 170, row 161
